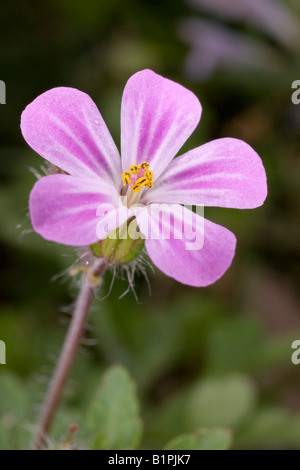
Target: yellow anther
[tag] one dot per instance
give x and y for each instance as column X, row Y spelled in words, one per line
column 126, row 178
column 145, row 165
column 134, row 169
column 136, row 188
column 149, row 175
column 126, row 181
column 138, row 185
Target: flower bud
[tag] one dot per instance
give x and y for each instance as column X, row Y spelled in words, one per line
column 121, row 245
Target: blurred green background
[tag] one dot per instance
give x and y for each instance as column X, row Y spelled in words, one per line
column 218, row 357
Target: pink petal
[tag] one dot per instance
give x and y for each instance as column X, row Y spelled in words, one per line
column 65, row 127
column 157, row 117
column 197, row 252
column 72, row 210
column 224, row 172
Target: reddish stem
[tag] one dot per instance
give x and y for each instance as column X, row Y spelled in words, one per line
column 67, row 356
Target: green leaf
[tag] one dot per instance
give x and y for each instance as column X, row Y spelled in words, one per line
column 14, row 409
column 203, row 439
column 221, row 401
column 270, row 427
column 212, row 402
column 113, row 417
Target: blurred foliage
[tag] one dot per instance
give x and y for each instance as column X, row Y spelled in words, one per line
column 210, row 366
column 113, row 417
column 218, row 439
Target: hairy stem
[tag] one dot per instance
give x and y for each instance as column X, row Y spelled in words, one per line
column 67, row 356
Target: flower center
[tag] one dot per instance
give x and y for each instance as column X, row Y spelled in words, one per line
column 137, row 178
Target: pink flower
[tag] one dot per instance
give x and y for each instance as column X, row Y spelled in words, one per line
column 157, row 116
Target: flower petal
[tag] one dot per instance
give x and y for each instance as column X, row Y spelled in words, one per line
column 72, row 210
column 157, row 117
column 65, row 127
column 225, row 172
column 196, row 251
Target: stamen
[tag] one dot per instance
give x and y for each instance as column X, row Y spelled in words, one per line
column 138, row 185
column 138, row 177
column 145, row 165
column 134, row 169
column 149, row 175
column 126, row 178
